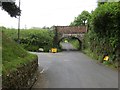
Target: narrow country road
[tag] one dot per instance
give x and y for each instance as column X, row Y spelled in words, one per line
column 73, row 69
column 68, row 47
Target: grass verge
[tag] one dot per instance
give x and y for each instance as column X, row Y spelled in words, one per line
column 13, row 55
column 99, row 58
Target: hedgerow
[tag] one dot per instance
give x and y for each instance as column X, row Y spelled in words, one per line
column 32, row 39
column 104, row 32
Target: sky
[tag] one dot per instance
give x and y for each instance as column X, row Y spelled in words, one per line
column 39, row 13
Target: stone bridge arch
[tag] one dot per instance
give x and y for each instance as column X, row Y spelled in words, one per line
column 69, row 31
column 72, row 37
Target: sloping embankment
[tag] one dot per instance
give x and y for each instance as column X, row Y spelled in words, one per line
column 19, row 68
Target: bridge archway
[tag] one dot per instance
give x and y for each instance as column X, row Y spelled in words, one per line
column 76, row 32
column 71, row 38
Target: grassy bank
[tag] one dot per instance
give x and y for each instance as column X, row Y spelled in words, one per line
column 13, row 55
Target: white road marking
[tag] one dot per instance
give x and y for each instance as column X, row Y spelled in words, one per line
column 42, row 71
column 66, row 60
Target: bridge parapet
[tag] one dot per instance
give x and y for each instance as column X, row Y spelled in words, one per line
column 71, row 29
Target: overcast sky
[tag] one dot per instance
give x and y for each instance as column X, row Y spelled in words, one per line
column 39, row 13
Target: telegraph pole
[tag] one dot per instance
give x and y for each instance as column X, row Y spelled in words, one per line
column 19, row 26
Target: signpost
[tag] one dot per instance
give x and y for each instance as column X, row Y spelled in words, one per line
column 19, row 26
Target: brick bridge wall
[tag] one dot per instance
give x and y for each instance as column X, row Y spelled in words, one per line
column 61, row 30
column 71, row 29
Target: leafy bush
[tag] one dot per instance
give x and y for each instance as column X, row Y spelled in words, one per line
column 75, row 43
column 104, row 31
column 32, row 39
column 105, row 22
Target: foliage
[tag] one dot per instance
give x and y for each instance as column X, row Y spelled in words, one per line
column 12, row 9
column 33, row 39
column 82, row 19
column 105, row 20
column 75, row 43
column 13, row 55
column 104, row 31
column 105, row 23
column 101, row 2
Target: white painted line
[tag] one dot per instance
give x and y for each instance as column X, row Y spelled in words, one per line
column 66, row 60
column 38, row 64
column 42, row 71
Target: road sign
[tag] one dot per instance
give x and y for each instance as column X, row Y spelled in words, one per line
column 54, row 50
column 106, row 58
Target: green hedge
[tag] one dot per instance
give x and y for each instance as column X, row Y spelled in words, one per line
column 32, row 39
column 104, row 31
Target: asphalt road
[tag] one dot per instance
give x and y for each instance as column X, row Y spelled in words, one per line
column 68, row 47
column 73, row 69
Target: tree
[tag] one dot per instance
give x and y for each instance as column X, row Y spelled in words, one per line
column 82, row 19
column 12, row 9
column 101, row 2
column 104, row 32
column 105, row 19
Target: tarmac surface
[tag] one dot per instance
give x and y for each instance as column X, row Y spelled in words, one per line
column 73, row 69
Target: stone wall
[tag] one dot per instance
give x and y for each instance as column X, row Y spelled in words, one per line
column 23, row 77
column 71, row 29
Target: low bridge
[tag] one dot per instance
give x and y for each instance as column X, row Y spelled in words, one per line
column 62, row 32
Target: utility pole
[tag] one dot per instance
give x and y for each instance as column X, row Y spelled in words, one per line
column 19, row 26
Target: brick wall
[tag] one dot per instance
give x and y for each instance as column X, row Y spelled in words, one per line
column 71, row 29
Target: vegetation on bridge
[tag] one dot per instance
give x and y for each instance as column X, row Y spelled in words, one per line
column 103, row 33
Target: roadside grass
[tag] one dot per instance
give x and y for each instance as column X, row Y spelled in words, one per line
column 0, row 52
column 99, row 59
column 94, row 56
column 13, row 55
column 89, row 53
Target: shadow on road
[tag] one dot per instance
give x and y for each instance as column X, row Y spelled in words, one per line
column 70, row 50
